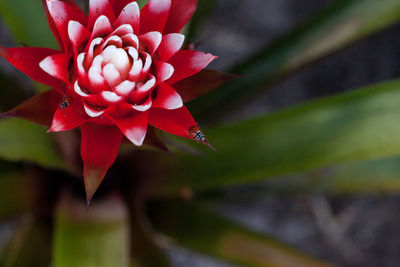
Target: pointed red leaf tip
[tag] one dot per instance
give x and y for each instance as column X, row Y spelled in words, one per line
column 99, row 8
column 170, row 45
column 201, row 83
column 181, row 12
column 154, row 15
column 52, row 25
column 56, row 66
column 134, row 128
column 99, row 150
column 167, row 98
column 187, row 63
column 118, row 5
column 27, row 60
column 38, row 109
column 130, row 14
column 177, row 121
column 59, row 13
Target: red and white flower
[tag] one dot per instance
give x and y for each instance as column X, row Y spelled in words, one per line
column 118, row 71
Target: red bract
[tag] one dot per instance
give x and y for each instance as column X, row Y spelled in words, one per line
column 117, row 72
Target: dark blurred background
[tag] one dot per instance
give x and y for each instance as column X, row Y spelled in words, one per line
column 361, row 230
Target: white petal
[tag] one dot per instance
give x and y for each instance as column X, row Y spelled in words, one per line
column 77, row 33
column 78, row 90
column 111, row 96
column 112, row 40
column 131, row 39
column 89, row 56
column 148, row 85
column 164, row 71
column 136, row 69
column 97, row 62
column 170, row 44
column 95, row 77
column 151, row 40
column 144, row 107
column 147, row 63
column 133, row 53
column 79, row 63
column 111, row 74
column 91, row 112
column 108, row 52
column 125, row 88
column 102, row 26
column 118, row 57
column 123, row 30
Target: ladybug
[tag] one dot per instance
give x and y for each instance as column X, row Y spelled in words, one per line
column 66, row 102
column 197, row 134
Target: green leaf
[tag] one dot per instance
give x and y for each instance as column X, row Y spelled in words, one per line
column 195, row 227
column 142, row 3
column 27, row 21
column 370, row 176
column 94, row 238
column 144, row 251
column 29, row 246
column 340, row 24
column 357, row 125
column 24, row 141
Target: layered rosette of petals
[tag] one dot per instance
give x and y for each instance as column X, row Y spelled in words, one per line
column 117, row 72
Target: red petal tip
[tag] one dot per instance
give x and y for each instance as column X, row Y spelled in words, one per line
column 205, row 142
column 8, row 114
column 88, row 201
column 93, row 179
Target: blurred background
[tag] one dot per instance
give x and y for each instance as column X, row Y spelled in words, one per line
column 362, row 230
column 345, row 230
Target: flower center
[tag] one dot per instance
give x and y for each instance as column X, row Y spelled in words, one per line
column 116, row 67
column 118, row 58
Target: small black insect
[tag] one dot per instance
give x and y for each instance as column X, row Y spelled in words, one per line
column 65, row 102
column 197, row 134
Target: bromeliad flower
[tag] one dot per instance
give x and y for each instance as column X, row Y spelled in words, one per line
column 118, row 71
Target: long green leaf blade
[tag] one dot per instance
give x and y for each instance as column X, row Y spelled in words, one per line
column 24, row 141
column 95, row 238
column 342, row 23
column 197, row 228
column 370, row 176
column 357, row 125
column 27, row 22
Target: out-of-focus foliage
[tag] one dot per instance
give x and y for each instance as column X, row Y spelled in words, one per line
column 346, row 143
column 21, row 140
column 27, row 22
column 21, row 198
column 30, row 245
column 369, row 176
column 348, row 127
column 95, row 238
column 195, row 227
column 340, row 24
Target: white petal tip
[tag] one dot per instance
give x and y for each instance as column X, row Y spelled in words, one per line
column 93, row 113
